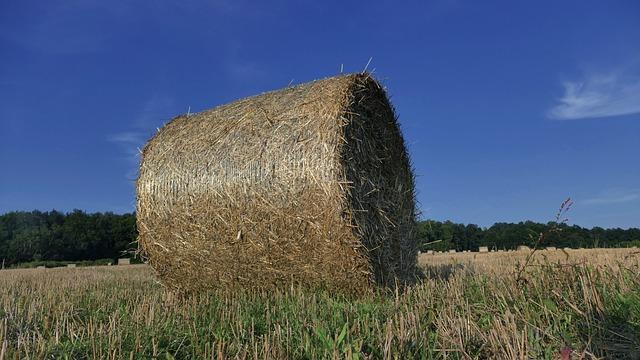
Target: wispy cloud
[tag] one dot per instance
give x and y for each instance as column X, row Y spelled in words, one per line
column 242, row 71
column 614, row 197
column 125, row 137
column 238, row 67
column 62, row 27
column 154, row 113
column 130, row 144
column 599, row 95
column 90, row 26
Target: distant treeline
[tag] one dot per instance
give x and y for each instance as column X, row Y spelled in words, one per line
column 436, row 235
column 37, row 236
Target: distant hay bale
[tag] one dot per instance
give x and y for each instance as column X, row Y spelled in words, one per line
column 429, row 252
column 452, row 251
column 523, row 248
column 307, row 185
column 71, row 265
column 41, row 267
column 124, row 261
column 551, row 248
column 483, row 249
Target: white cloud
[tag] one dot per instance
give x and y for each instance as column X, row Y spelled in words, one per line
column 155, row 112
column 244, row 71
column 129, row 143
column 614, row 197
column 90, row 26
column 127, row 137
column 239, row 68
column 61, row 27
column 599, row 95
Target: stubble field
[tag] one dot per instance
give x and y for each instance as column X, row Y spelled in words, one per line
column 565, row 305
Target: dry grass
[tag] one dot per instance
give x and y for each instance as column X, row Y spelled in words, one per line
column 468, row 306
column 505, row 262
column 309, row 185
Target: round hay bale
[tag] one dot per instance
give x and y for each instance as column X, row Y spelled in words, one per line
column 307, row 185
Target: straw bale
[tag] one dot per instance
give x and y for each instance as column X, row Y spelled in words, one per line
column 306, row 185
column 124, row 261
column 483, row 249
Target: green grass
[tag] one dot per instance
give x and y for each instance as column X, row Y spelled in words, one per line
column 121, row 312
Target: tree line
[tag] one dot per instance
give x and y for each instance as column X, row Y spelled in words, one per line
column 35, row 236
column 55, row 236
column 440, row 236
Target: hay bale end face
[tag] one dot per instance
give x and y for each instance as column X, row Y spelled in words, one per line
column 308, row 185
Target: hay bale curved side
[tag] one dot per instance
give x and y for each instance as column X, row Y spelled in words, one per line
column 307, row 185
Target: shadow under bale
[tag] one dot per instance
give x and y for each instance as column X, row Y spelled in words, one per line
column 307, row 185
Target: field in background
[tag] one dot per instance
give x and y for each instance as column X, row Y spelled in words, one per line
column 582, row 303
column 506, row 262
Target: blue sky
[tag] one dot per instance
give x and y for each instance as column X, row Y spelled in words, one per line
column 507, row 107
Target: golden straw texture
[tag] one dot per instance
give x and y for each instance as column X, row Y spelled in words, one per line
column 309, row 185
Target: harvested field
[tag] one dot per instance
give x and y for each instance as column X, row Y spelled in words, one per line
column 469, row 305
column 506, row 262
